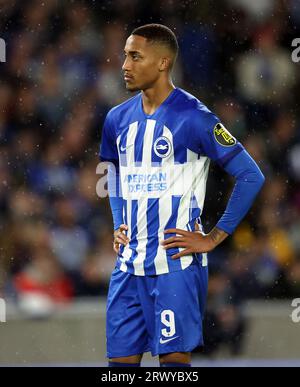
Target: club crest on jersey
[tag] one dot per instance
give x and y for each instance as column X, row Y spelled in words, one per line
column 162, row 147
column 222, row 136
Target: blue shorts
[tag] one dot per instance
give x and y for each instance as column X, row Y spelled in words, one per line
column 161, row 313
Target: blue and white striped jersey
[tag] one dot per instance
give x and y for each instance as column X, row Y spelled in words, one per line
column 163, row 162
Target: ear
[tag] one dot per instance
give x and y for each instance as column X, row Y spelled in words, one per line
column 164, row 64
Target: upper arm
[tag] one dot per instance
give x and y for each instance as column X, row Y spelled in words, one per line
column 108, row 146
column 209, row 137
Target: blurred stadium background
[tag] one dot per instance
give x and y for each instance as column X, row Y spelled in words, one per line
column 62, row 74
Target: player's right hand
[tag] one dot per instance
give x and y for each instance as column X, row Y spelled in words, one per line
column 120, row 238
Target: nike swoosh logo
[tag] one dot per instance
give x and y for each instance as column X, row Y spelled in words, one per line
column 123, row 149
column 162, row 341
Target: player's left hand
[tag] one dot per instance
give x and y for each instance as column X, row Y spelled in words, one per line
column 193, row 242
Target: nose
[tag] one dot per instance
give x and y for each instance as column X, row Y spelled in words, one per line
column 126, row 66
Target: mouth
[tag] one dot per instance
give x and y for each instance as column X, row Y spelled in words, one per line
column 128, row 78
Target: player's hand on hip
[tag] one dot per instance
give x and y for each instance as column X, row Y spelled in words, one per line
column 192, row 242
column 120, row 238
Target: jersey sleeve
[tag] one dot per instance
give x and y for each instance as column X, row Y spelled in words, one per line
column 109, row 152
column 209, row 136
column 108, row 146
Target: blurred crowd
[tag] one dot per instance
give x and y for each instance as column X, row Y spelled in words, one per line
column 63, row 73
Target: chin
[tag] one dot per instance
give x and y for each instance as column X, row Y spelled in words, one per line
column 132, row 88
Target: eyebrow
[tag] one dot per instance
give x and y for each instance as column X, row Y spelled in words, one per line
column 132, row 52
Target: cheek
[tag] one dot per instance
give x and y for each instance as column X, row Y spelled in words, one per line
column 148, row 71
column 145, row 66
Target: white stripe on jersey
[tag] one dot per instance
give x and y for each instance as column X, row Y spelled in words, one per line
column 127, row 252
column 138, row 263
column 204, row 259
column 201, row 174
column 131, row 135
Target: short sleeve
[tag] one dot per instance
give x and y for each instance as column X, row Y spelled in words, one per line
column 210, row 138
column 108, row 146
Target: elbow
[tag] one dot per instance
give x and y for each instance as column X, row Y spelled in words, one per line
column 256, row 178
column 260, row 180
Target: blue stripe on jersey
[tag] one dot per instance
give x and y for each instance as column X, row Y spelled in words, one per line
column 152, row 243
column 174, row 264
column 158, row 132
column 195, row 212
column 125, row 222
column 180, row 155
column 133, row 240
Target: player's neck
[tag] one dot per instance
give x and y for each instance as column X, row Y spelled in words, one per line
column 155, row 96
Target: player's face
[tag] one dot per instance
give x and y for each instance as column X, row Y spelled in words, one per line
column 141, row 65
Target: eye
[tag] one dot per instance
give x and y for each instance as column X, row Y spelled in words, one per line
column 135, row 56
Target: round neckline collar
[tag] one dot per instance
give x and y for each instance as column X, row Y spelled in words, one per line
column 160, row 107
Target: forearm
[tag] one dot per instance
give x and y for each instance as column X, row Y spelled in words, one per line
column 115, row 198
column 217, row 236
